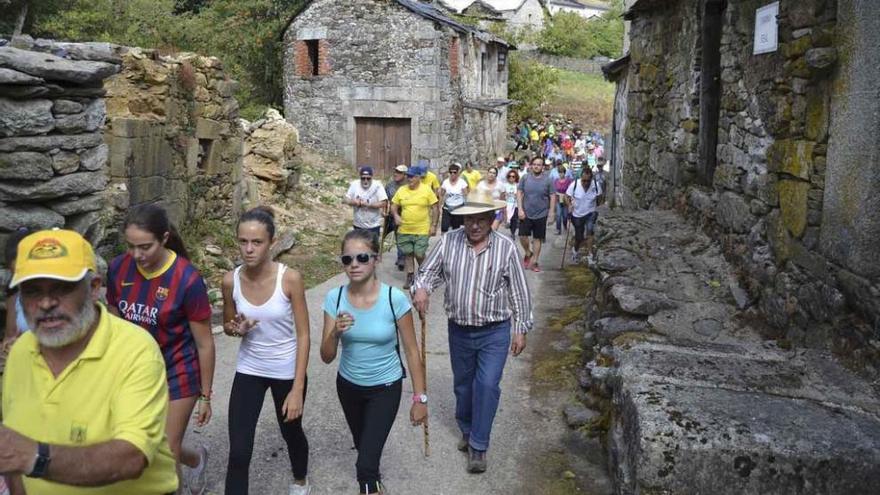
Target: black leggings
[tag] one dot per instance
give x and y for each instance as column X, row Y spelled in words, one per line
column 450, row 221
column 245, row 404
column 369, row 412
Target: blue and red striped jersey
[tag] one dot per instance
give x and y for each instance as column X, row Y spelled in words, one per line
column 164, row 304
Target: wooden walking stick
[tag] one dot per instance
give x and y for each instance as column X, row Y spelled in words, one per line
column 425, row 373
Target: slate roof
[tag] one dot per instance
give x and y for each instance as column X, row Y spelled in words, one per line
column 432, row 13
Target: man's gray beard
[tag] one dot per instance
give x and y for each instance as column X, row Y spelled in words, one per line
column 75, row 330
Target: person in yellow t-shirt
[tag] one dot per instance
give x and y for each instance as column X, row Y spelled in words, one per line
column 85, row 396
column 416, row 209
column 471, row 175
column 431, row 180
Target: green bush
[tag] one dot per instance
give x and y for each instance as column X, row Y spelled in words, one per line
column 531, row 84
column 570, row 35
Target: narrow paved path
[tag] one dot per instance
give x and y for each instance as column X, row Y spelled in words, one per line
column 522, row 429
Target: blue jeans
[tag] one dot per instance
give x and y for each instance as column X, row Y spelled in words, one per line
column 478, row 355
column 561, row 216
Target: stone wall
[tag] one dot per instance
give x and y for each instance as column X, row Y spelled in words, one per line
column 766, row 200
column 381, row 60
column 174, row 137
column 582, row 65
column 52, row 156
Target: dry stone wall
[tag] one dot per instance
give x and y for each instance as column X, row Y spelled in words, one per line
column 173, row 136
column 765, row 201
column 52, row 155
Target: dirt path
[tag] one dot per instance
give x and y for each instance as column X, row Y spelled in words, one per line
column 531, row 446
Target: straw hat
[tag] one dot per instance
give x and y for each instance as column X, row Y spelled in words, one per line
column 478, row 202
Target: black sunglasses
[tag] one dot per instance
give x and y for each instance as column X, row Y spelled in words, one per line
column 366, row 178
column 361, row 258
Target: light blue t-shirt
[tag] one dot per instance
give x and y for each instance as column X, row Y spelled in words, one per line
column 369, row 353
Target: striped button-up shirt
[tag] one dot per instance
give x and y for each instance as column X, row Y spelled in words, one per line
column 481, row 287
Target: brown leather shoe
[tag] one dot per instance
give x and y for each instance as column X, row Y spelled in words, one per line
column 476, row 461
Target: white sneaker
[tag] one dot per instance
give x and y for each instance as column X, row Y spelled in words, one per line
column 575, row 257
column 197, row 479
column 300, row 489
column 591, row 259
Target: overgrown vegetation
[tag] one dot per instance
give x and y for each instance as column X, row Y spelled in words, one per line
column 571, row 35
column 531, row 84
column 244, row 34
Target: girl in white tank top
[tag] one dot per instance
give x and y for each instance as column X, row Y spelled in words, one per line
column 264, row 305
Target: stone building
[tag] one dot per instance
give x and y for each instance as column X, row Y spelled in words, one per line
column 584, row 8
column 388, row 82
column 515, row 14
column 777, row 154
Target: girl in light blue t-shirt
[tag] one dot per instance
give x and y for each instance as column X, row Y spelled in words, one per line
column 371, row 319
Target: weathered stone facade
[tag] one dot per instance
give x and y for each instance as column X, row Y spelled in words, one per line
column 52, row 156
column 174, row 137
column 793, row 192
column 381, row 59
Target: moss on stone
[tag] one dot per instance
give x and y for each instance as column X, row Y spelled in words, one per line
column 817, row 116
column 798, row 160
column 793, row 205
column 796, row 48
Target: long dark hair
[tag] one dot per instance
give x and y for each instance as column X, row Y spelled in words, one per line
column 367, row 237
column 153, row 218
column 261, row 214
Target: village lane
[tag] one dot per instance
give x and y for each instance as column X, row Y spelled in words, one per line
column 524, row 429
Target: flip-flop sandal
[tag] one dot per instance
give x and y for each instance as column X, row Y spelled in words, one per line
column 536, row 268
column 526, row 260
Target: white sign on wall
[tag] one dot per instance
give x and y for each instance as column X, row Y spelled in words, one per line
column 767, row 29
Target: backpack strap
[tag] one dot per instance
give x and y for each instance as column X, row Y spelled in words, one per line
column 396, row 331
column 339, row 298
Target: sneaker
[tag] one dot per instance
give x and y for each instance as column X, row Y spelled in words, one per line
column 558, row 232
column 591, row 259
column 476, row 461
column 197, row 479
column 300, row 489
column 575, row 256
column 463, row 443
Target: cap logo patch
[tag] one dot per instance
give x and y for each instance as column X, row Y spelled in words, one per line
column 47, row 249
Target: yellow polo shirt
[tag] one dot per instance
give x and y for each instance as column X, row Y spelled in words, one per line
column 473, row 178
column 415, row 209
column 114, row 390
column 430, row 179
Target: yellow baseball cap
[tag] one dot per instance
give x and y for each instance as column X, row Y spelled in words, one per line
column 56, row 254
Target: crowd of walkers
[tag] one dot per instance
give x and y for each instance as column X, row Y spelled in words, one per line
column 92, row 403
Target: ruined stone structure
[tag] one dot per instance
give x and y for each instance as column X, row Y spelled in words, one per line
column 52, row 155
column 775, row 154
column 388, row 82
column 174, row 138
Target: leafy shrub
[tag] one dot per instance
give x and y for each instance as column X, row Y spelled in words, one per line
column 570, row 35
column 531, row 84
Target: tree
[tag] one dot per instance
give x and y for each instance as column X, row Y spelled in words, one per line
column 530, row 84
column 570, row 35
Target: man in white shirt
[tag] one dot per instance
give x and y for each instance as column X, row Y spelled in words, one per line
column 368, row 198
column 581, row 199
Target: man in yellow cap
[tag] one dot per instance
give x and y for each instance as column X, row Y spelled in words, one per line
column 84, row 392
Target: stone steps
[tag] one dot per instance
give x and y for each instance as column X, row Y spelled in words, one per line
column 702, row 404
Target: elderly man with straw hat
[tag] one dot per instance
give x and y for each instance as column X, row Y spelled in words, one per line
column 84, row 394
column 487, row 299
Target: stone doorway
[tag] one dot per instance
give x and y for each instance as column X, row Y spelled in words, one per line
column 383, row 143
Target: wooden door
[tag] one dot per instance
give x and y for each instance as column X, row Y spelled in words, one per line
column 383, row 144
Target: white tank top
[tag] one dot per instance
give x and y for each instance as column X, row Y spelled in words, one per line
column 269, row 349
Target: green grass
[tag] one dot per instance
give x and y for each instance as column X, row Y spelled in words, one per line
column 587, row 99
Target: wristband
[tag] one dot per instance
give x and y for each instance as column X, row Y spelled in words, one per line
column 420, row 398
column 41, row 463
